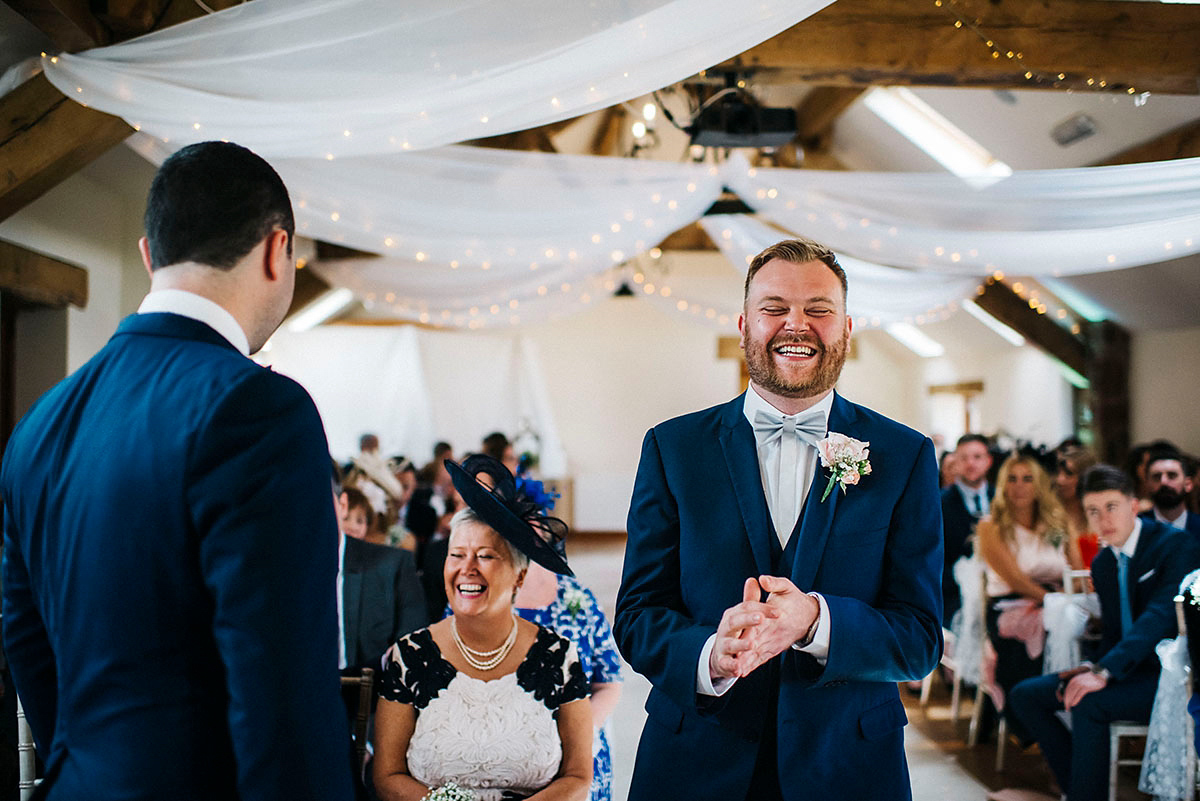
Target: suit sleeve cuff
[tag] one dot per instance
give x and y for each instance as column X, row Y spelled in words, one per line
column 819, row 647
column 705, row 685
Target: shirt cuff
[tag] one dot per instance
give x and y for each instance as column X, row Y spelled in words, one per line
column 819, row 647
column 705, row 685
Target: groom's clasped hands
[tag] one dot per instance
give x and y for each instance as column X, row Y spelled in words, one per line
column 755, row 630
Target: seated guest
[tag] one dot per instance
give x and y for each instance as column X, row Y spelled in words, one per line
column 500, row 448
column 485, row 699
column 948, row 470
column 1168, row 482
column 380, row 594
column 1135, row 466
column 1136, row 577
column 399, row 535
column 962, row 505
column 1073, row 462
column 1025, row 544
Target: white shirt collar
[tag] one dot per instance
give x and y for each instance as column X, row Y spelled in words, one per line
column 754, row 403
column 1130, row 545
column 1178, row 522
column 195, row 307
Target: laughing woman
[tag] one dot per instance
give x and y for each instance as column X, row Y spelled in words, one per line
column 484, row 700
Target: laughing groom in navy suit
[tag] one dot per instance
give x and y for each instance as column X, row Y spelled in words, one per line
column 779, row 580
column 170, row 548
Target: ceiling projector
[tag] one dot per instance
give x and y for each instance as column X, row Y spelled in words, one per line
column 734, row 122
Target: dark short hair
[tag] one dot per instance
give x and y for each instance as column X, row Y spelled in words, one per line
column 797, row 251
column 441, row 449
column 1104, row 477
column 355, row 499
column 1166, row 454
column 494, row 444
column 367, row 439
column 211, row 203
column 966, row 439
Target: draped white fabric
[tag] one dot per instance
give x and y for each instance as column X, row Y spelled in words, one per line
column 410, row 388
column 1036, row 222
column 877, row 293
column 353, row 77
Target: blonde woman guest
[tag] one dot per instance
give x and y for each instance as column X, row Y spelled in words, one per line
column 1025, row 543
column 484, row 700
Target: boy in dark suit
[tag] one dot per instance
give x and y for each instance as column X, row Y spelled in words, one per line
column 1136, row 577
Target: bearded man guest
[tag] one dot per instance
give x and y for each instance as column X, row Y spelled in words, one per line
column 775, row 590
column 170, row 548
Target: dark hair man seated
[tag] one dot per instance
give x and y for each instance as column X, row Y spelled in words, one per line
column 1169, row 482
column 1136, row 576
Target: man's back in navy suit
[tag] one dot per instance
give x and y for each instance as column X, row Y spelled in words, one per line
column 170, row 543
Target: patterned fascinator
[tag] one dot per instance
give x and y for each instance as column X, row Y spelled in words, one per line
column 491, row 491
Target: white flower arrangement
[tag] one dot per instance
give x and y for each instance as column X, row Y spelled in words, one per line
column 846, row 460
column 449, row 792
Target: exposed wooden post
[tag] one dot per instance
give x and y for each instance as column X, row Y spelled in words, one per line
column 1109, row 362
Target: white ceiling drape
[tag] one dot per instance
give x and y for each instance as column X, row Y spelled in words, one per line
column 877, row 294
column 318, row 78
column 1035, row 222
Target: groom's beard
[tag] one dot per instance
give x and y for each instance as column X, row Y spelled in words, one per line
column 820, row 378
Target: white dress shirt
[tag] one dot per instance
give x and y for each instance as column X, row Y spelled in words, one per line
column 1130, row 546
column 974, row 495
column 191, row 305
column 1179, row 522
column 768, row 468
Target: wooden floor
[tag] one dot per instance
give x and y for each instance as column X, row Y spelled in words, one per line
column 943, row 768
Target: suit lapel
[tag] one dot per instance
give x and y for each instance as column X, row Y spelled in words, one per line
column 741, row 457
column 816, row 521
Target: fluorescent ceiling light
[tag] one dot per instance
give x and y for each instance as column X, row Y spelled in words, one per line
column 320, row 310
column 1011, row 336
column 1073, row 377
column 1080, row 303
column 916, row 340
column 941, row 139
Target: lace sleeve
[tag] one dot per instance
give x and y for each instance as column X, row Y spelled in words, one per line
column 414, row 671
column 552, row 671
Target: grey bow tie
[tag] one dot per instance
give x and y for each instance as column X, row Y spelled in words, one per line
column 769, row 427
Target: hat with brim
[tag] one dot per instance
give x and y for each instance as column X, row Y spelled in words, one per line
column 495, row 511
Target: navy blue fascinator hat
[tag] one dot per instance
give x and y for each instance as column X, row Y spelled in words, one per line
column 511, row 513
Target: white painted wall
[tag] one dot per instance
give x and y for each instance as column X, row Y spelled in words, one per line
column 92, row 220
column 1164, row 383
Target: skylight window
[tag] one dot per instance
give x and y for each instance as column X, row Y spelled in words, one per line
column 1009, row 335
column 941, row 139
column 916, row 340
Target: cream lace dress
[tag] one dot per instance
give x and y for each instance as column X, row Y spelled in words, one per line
column 486, row 736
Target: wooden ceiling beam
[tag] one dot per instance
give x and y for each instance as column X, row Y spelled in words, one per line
column 819, row 111
column 1181, row 143
column 40, row 279
column 1148, row 46
column 45, row 137
column 69, row 24
column 309, row 287
column 1000, row 301
column 689, row 237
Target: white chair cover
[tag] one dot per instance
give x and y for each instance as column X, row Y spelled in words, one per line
column 967, row 625
column 1065, row 618
column 1167, row 765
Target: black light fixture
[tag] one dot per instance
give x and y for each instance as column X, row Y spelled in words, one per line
column 623, row 291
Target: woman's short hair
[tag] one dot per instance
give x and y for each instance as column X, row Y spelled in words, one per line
column 467, row 515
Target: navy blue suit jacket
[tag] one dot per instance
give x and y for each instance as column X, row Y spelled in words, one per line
column 1191, row 525
column 170, row 564
column 1164, row 555
column 698, row 527
column 958, row 524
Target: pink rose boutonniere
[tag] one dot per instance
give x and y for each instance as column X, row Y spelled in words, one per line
column 846, row 459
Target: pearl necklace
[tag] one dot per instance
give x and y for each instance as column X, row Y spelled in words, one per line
column 483, row 661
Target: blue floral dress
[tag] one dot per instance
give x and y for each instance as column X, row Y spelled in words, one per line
column 576, row 615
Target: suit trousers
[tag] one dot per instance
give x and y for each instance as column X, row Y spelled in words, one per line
column 1079, row 757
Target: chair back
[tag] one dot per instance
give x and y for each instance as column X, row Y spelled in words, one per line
column 26, row 755
column 365, row 683
column 1076, row 582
